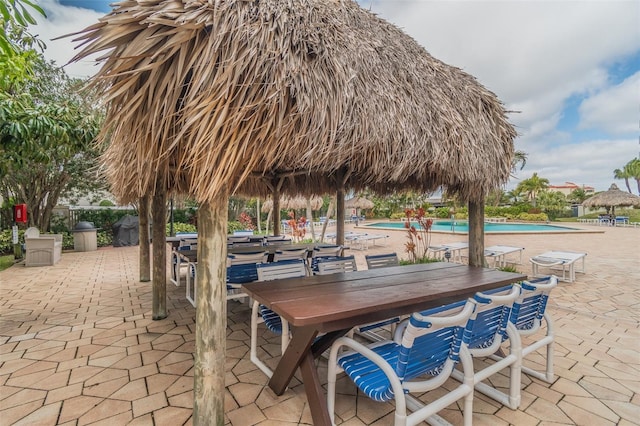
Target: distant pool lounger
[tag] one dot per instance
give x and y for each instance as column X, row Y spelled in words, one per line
column 561, row 260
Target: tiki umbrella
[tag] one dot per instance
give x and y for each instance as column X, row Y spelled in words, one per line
column 358, row 203
column 293, row 203
column 211, row 98
column 613, row 197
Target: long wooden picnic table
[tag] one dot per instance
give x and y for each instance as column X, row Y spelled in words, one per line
column 333, row 304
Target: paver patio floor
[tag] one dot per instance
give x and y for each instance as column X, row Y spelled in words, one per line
column 78, row 346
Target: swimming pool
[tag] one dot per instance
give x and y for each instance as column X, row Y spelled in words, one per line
column 462, row 227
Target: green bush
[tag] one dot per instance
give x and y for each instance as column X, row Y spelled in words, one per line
column 103, row 219
column 181, row 227
column 6, row 240
column 397, row 216
column 442, row 213
column 533, row 217
column 420, row 260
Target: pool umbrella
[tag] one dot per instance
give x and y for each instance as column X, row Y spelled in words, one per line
column 358, row 203
column 211, row 98
column 293, row 203
column 613, row 197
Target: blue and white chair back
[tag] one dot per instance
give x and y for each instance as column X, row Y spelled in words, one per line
column 336, row 265
column 529, row 313
column 326, row 252
column 375, row 261
column 260, row 256
column 293, row 268
column 424, row 353
column 488, row 327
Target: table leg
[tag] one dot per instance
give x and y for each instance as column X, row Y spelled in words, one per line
column 315, row 395
column 299, row 347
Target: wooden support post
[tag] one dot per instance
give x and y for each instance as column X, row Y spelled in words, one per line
column 159, row 217
column 476, row 234
column 145, row 255
column 340, row 176
column 211, row 314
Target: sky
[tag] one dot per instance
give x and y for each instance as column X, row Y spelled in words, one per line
column 568, row 69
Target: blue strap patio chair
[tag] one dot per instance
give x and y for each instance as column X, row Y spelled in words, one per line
column 237, row 274
column 529, row 315
column 293, row 268
column 325, row 252
column 488, row 328
column 375, row 261
column 334, row 265
column 422, row 356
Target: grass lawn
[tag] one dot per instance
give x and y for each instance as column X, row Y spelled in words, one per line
column 6, row 261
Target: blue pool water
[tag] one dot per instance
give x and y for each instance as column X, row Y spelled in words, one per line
column 463, row 227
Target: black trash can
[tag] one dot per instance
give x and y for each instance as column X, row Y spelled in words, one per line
column 85, row 237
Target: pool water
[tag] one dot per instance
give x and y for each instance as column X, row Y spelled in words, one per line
column 461, row 226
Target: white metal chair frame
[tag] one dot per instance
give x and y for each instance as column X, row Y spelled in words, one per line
column 428, row 324
column 561, row 260
column 268, row 272
column 497, row 306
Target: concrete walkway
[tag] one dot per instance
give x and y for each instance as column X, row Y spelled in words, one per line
column 78, row 346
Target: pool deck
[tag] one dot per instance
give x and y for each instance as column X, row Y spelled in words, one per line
column 78, row 346
column 559, row 228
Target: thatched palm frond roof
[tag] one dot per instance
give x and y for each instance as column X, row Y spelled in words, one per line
column 613, row 197
column 358, row 203
column 294, row 203
column 206, row 97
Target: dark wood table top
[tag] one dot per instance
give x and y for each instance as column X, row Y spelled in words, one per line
column 332, row 302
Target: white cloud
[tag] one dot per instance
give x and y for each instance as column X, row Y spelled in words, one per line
column 60, row 21
column 589, row 163
column 616, row 110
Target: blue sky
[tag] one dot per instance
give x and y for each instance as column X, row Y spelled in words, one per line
column 571, row 68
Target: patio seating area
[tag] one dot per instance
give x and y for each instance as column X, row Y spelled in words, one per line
column 78, row 346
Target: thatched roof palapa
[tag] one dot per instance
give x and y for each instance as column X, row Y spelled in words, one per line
column 207, row 96
column 358, row 203
column 613, row 197
column 294, row 203
column 210, row 98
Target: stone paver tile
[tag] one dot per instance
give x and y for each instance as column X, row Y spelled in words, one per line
column 567, row 387
column 83, row 373
column 7, row 391
column 153, row 356
column 119, row 419
column 246, row 416
column 145, row 420
column 13, row 414
column 144, row 371
column 129, row 362
column 175, row 357
column 286, row 411
column 105, row 389
column 580, row 416
column 22, row 397
column 626, row 410
column 136, row 389
column 30, row 380
column 181, row 385
column 106, row 409
column 88, row 350
column 245, row 393
column 43, row 416
column 63, row 393
column 16, row 365
column 592, row 405
column 184, row 399
column 105, row 375
column 107, row 361
column 72, row 364
column 150, row 403
column 606, row 388
column 170, row 416
column 74, row 408
column 160, row 382
column 178, row 368
column 547, row 411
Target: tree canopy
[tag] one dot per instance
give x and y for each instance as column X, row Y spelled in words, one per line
column 47, row 129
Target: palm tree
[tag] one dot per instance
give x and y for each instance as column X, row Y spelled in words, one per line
column 519, row 157
column 633, row 168
column 532, row 186
column 623, row 173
